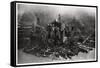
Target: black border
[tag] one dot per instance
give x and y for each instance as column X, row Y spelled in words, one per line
column 13, row 32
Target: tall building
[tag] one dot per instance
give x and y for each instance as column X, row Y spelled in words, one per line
column 56, row 30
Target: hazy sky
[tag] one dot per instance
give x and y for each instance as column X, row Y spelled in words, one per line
column 54, row 9
column 48, row 13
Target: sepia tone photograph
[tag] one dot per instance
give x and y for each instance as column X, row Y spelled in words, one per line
column 52, row 33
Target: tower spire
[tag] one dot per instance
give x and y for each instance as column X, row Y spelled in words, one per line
column 58, row 19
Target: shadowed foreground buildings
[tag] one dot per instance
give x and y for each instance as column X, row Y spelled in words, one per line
column 57, row 38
